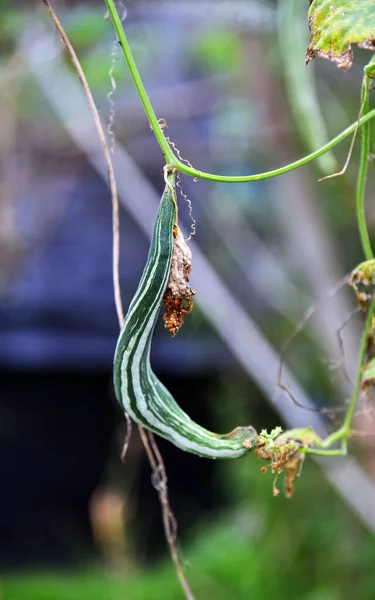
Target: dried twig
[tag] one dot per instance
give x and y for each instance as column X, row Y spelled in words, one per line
column 107, row 157
column 128, row 433
column 350, row 152
column 296, row 330
column 160, row 481
column 154, row 456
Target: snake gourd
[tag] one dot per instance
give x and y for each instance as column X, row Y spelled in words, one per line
column 140, row 393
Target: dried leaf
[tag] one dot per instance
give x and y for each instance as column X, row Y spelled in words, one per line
column 285, row 457
column 337, row 24
column 178, row 297
column 292, row 469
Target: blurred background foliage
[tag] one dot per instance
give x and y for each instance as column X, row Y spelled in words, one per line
column 220, row 75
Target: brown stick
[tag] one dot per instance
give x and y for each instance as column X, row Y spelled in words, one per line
column 159, row 480
column 153, row 453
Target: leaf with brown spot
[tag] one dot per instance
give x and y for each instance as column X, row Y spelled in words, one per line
column 337, row 24
column 362, row 280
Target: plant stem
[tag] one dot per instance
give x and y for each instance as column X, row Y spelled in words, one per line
column 334, row 437
column 363, row 166
column 323, row 452
column 282, row 170
column 165, row 148
column 362, row 352
column 170, row 157
column 344, row 432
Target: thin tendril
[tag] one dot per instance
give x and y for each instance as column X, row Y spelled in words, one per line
column 296, row 330
column 339, row 173
column 157, row 465
column 107, row 157
column 112, row 114
column 340, row 341
column 193, row 228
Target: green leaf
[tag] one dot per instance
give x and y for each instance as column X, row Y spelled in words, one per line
column 270, row 436
column 337, row 24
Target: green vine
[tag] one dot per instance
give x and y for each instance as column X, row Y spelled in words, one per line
column 307, row 437
column 170, row 158
column 369, row 72
column 344, row 432
column 173, row 162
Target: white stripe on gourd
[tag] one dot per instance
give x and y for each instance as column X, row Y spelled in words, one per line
column 138, row 390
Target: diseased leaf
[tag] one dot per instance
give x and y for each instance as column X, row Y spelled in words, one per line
column 337, row 24
column 362, row 280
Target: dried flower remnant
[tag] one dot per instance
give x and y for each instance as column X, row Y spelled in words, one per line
column 178, row 297
column 292, row 469
column 284, row 455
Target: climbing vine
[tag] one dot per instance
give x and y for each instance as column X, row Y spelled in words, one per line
column 327, row 20
column 335, row 25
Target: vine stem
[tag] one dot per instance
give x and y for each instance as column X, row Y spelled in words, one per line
column 170, row 157
column 357, row 387
column 153, row 453
column 173, row 162
column 344, row 432
column 363, row 166
column 158, row 132
column 322, row 452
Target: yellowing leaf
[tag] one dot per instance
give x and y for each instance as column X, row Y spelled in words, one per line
column 337, row 24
